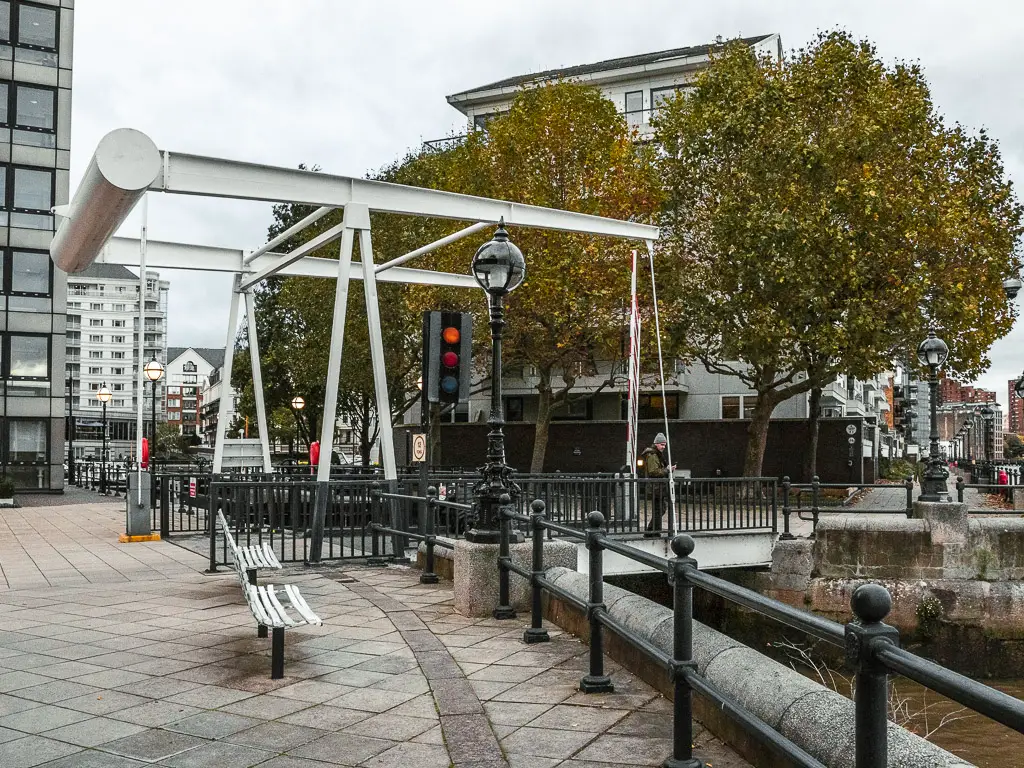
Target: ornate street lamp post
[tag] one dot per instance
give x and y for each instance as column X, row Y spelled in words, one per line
column 499, row 268
column 933, row 353
column 104, row 397
column 298, row 403
column 154, row 371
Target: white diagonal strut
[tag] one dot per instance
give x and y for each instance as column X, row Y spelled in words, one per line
column 225, row 387
column 380, row 381
column 257, row 381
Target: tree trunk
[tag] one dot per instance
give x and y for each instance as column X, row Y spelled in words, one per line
column 813, row 423
column 757, row 435
column 540, row 437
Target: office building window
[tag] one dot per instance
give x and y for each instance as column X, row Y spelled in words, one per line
column 738, row 406
column 117, row 323
column 95, row 338
column 652, row 407
column 95, row 370
column 117, row 339
column 32, row 30
column 94, row 307
column 26, row 441
column 27, row 196
column 28, row 357
column 96, row 355
column 660, row 95
column 117, row 355
column 513, row 409
column 28, row 280
column 635, row 108
column 31, row 112
column 119, row 307
column 95, row 323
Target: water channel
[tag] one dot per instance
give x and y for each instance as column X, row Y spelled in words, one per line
column 975, row 738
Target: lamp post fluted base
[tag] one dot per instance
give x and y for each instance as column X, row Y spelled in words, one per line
column 597, row 684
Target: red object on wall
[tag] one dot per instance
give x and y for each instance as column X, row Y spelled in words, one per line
column 314, row 453
column 145, row 453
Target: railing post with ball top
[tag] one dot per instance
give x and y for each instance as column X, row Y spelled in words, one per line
column 682, row 655
column 596, row 681
column 870, row 603
column 535, row 633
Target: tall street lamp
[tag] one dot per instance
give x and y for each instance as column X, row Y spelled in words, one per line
column 71, row 430
column 933, row 353
column 104, row 397
column 154, row 371
column 297, row 405
column 499, row 268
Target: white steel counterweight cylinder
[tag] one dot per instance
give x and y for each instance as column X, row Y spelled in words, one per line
column 125, row 164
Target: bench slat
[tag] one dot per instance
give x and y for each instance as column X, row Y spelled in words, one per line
column 284, row 614
column 271, row 557
column 300, row 605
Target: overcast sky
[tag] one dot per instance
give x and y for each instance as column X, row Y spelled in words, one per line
column 349, row 86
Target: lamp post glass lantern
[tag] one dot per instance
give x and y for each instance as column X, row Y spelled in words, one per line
column 154, row 371
column 933, row 352
column 499, row 268
column 104, row 397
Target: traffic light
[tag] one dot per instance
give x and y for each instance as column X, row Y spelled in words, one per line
column 447, row 356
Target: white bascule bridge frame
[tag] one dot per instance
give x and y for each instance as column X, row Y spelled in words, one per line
column 127, row 164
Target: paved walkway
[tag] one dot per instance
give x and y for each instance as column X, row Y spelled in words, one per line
column 117, row 656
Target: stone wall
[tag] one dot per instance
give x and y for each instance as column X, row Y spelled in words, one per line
column 817, row 719
column 957, row 581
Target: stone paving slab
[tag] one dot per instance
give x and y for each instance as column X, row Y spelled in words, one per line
column 133, row 656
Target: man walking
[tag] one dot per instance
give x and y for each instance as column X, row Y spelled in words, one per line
column 656, row 466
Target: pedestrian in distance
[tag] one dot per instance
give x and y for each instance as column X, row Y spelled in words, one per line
column 656, row 467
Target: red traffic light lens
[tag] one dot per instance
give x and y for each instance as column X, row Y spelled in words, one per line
column 451, row 335
column 449, row 359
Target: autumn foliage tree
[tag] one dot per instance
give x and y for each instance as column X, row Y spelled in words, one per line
column 562, row 146
column 821, row 216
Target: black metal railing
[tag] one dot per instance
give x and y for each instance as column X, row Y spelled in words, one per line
column 809, row 500
column 1002, row 491
column 280, row 513
column 872, row 647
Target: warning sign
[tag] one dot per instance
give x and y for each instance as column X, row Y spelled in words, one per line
column 192, row 487
column 419, row 448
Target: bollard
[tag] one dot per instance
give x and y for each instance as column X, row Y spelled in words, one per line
column 870, row 603
column 908, row 483
column 535, row 633
column 165, row 501
column 504, row 610
column 596, row 681
column 428, row 576
column 960, row 489
column 786, row 535
column 682, row 655
column 815, row 483
column 213, row 531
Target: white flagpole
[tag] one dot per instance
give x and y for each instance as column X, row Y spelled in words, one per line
column 664, row 399
column 633, row 381
column 142, row 344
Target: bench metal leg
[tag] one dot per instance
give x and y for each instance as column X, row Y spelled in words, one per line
column 277, row 653
column 261, row 630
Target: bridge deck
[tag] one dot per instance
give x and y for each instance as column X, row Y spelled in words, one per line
column 130, row 650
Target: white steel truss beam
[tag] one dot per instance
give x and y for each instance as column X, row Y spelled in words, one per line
column 208, row 258
column 455, row 236
column 293, row 230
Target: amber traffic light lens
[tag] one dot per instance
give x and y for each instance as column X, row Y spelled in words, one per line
column 451, row 335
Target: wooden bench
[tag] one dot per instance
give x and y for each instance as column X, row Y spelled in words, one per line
column 265, row 599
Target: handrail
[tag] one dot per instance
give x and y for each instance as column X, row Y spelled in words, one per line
column 870, row 644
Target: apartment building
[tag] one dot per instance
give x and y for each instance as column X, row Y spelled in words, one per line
column 103, row 350
column 209, row 405
column 1015, row 410
column 35, row 143
column 188, row 374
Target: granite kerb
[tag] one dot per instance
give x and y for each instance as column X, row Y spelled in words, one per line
column 814, row 717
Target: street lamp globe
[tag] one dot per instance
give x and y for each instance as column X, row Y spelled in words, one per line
column 1019, row 386
column 1012, row 287
column 154, row 370
column 104, row 394
column 499, row 266
column 298, row 403
column 932, row 351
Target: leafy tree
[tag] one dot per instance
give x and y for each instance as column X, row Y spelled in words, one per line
column 563, row 146
column 1013, row 446
column 821, row 216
